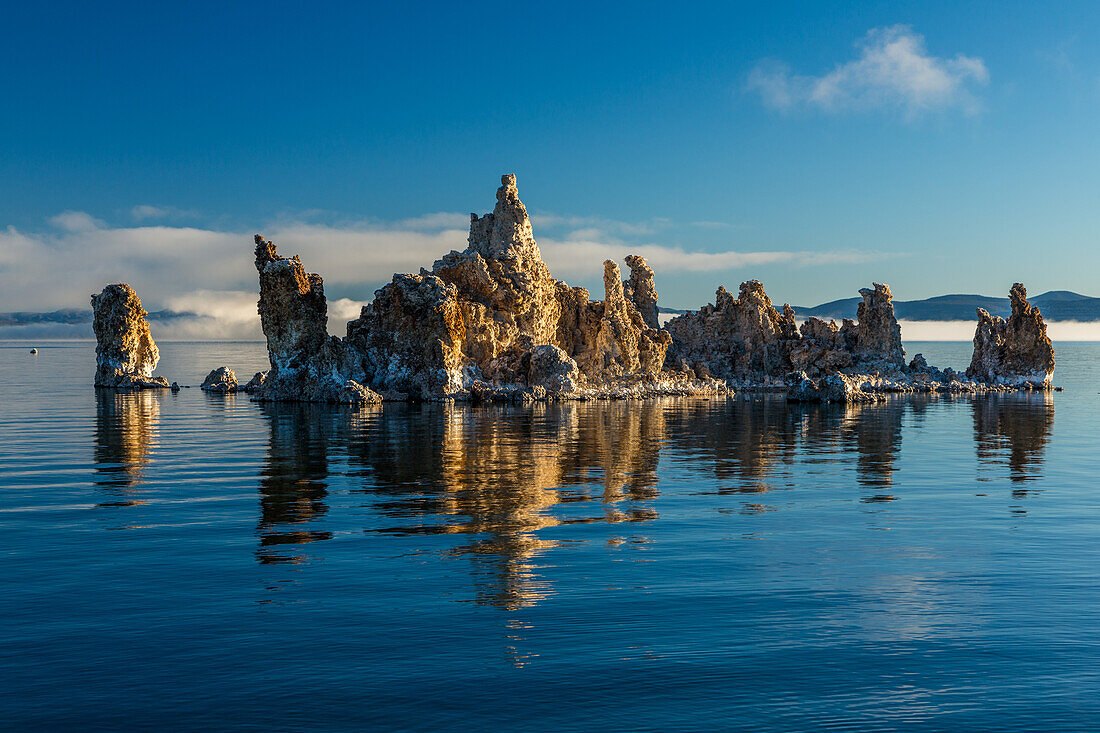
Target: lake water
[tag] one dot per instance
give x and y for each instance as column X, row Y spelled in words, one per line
column 203, row 562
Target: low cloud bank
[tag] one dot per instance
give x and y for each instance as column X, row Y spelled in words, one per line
column 63, row 266
column 203, row 315
column 964, row 330
column 231, row 316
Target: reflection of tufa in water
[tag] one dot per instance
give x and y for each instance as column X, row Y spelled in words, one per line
column 293, row 481
column 1013, row 430
column 507, row 480
column 125, row 437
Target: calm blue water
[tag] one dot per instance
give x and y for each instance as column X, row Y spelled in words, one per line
column 194, row 561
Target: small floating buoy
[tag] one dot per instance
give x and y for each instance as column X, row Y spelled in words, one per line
column 34, row 351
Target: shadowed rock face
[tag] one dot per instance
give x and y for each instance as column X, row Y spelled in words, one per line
column 824, row 348
column 747, row 338
column 640, row 290
column 878, row 335
column 126, row 354
column 736, row 338
column 1016, row 351
column 410, row 339
column 307, row 365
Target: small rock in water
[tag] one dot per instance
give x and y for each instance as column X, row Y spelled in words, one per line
column 255, row 383
column 221, row 380
column 175, row 386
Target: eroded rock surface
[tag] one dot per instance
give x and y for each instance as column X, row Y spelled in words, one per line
column 478, row 323
column 307, row 365
column 126, row 354
column 1016, row 351
column 491, row 323
column 641, row 291
column 878, row 334
column 749, row 340
column 736, row 337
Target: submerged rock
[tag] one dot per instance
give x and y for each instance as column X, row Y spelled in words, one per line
column 832, row 388
column 221, row 380
column 1016, row 351
column 126, row 354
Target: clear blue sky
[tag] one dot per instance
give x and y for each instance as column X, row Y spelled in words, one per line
column 707, row 128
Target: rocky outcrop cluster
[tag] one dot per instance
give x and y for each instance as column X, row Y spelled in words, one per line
column 735, row 338
column 126, row 354
column 1016, row 351
column 752, row 344
column 489, row 322
column 749, row 340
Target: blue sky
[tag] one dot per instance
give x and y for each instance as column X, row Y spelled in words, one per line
column 816, row 146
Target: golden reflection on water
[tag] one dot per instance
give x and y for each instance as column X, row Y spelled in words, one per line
column 494, row 473
column 126, row 434
column 500, row 476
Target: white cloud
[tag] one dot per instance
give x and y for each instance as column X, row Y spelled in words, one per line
column 584, row 257
column 436, row 221
column 893, row 71
column 609, row 227
column 76, row 221
column 145, row 211
column 210, row 273
column 342, row 310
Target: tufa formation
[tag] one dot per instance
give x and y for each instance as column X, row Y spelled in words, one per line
column 126, row 354
column 1014, row 352
column 306, row 363
column 491, row 323
column 487, row 323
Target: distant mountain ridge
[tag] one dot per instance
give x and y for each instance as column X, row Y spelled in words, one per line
column 1056, row 305
column 71, row 316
